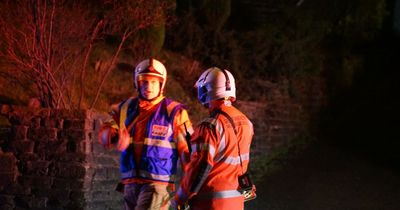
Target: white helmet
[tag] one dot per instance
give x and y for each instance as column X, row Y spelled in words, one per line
column 150, row 67
column 215, row 84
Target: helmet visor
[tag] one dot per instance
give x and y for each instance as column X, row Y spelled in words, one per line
column 202, row 94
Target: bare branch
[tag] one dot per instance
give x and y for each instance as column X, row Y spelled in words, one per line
column 125, row 36
column 98, row 27
column 52, row 43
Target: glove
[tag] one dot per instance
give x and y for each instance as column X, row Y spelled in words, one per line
column 176, row 206
column 106, row 135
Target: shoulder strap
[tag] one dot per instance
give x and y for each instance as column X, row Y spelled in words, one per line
column 226, row 115
column 188, row 138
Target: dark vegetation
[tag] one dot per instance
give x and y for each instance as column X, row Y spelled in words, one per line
column 267, row 42
column 89, row 63
column 364, row 117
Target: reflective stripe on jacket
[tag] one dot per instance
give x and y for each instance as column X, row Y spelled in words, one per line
column 159, row 154
column 215, row 164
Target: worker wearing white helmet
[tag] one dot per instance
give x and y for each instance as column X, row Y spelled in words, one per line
column 150, row 68
column 216, row 177
column 150, row 132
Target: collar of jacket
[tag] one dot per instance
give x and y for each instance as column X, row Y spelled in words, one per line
column 146, row 105
column 219, row 104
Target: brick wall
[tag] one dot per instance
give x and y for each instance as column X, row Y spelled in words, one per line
column 50, row 159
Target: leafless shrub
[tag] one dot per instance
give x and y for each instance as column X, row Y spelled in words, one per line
column 51, row 42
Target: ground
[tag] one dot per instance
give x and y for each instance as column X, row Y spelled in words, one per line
column 328, row 177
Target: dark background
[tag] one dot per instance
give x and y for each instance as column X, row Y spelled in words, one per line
column 352, row 161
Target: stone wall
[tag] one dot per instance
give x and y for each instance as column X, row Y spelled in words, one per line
column 290, row 110
column 50, row 159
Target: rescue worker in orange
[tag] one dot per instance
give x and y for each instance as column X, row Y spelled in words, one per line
column 150, row 131
column 220, row 148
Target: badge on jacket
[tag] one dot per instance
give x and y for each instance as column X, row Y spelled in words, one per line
column 159, row 130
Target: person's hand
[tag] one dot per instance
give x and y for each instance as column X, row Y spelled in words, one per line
column 124, row 139
column 175, row 206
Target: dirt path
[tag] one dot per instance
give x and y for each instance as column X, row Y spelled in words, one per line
column 325, row 178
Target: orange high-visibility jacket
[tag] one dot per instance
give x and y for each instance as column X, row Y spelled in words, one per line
column 181, row 125
column 211, row 181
